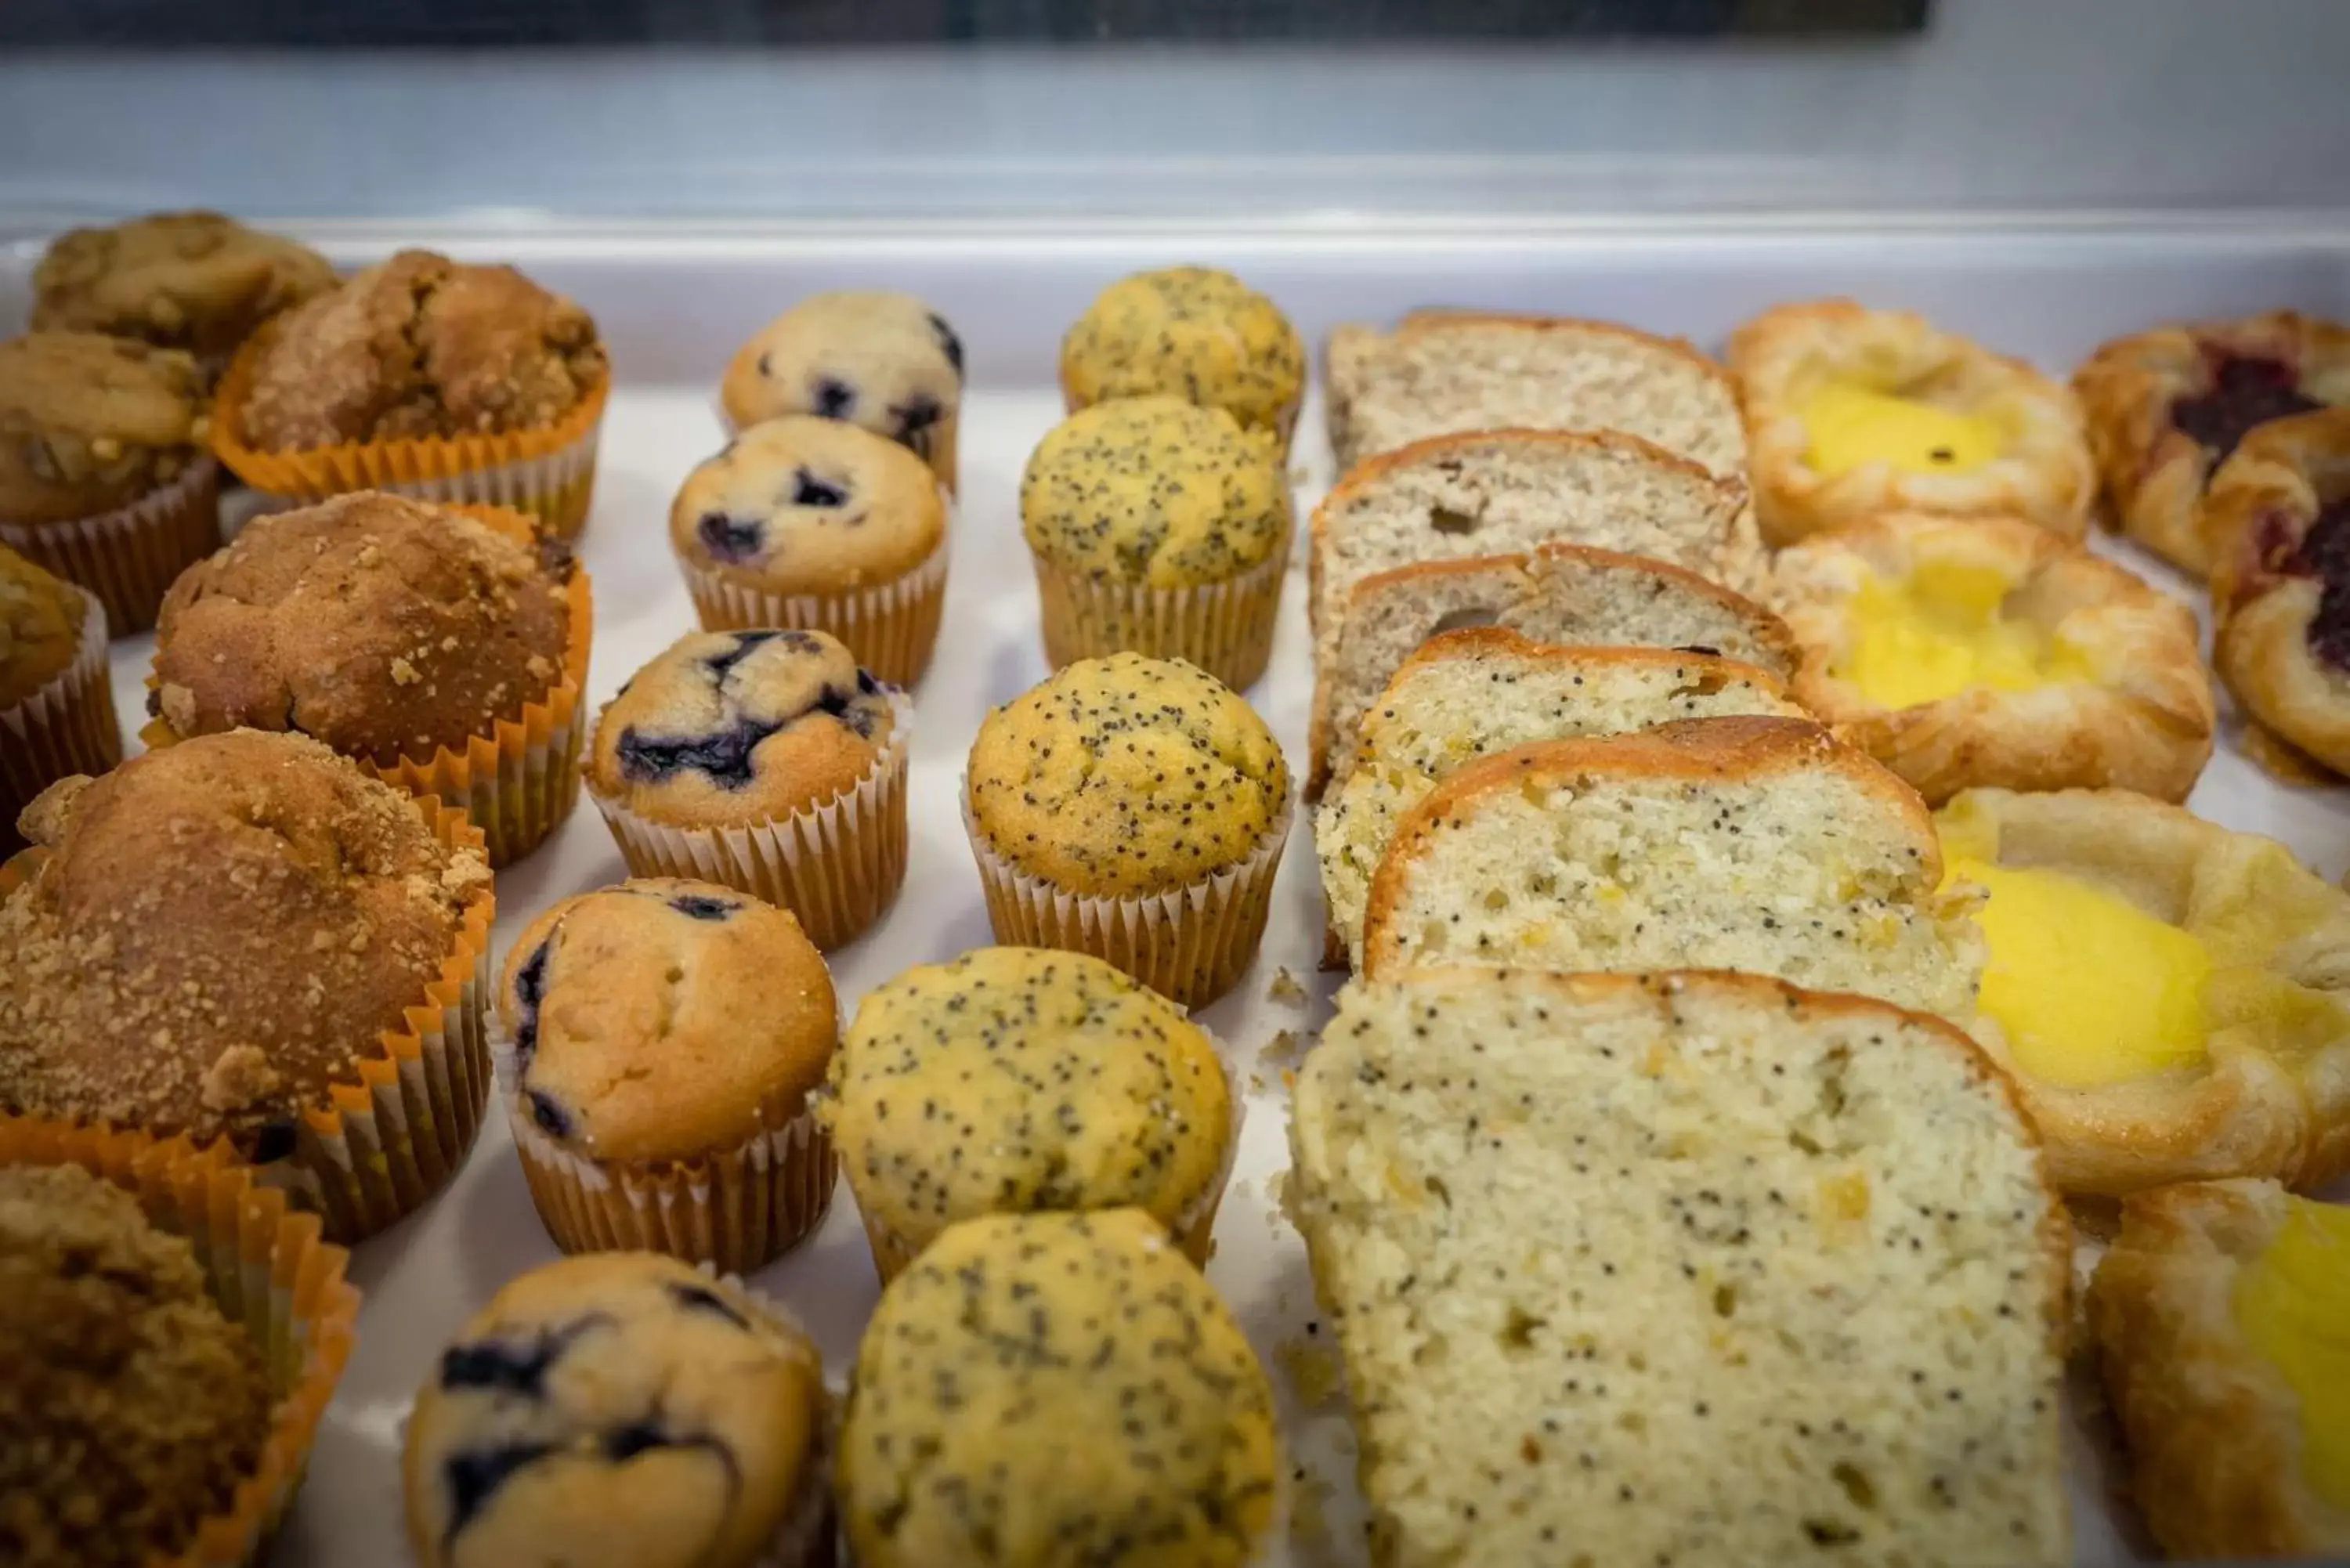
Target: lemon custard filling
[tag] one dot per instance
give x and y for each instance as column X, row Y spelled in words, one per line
column 1939, row 631
column 1851, row 426
column 2292, row 1304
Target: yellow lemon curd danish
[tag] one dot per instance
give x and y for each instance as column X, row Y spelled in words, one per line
column 1965, row 652
column 2221, row 1317
column 1851, row 411
column 2171, row 998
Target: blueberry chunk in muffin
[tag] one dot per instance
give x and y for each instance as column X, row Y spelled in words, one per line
column 883, row 361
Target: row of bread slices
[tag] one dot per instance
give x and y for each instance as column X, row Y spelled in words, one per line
column 2163, row 1004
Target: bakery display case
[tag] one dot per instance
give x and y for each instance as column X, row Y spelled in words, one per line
column 1921, row 419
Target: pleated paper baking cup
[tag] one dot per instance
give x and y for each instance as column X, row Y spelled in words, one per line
column 837, row 865
column 268, row 1270
column 733, row 1209
column 130, row 557
column 548, row 471
column 66, row 727
column 1194, row 1229
column 1225, row 629
column 891, row 628
column 1190, row 945
column 519, row 781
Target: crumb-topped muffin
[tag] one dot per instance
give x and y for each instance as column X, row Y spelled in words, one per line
column 1144, row 1420
column 396, row 631
column 221, row 933
column 1128, row 807
column 1192, row 332
column 886, row 362
column 133, row 1406
column 1013, row 1079
column 659, row 1040
column 195, row 281
column 420, row 345
column 816, row 524
column 766, row 760
column 1157, row 528
column 57, row 696
column 619, row 1409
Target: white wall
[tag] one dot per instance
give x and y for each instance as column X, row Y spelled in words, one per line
column 2134, row 103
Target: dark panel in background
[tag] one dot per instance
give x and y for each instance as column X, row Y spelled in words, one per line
column 470, row 22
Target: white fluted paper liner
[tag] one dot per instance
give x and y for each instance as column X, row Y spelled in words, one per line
column 1194, row 1228
column 936, row 444
column 554, row 487
column 892, row 627
column 1225, row 629
column 733, row 1209
column 130, row 557
column 65, row 728
column 1190, row 945
column 836, row 865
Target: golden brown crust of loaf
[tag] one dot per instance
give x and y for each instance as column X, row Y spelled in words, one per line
column 2258, row 515
column 2148, row 727
column 218, row 931
column 420, row 345
column 381, row 626
column 2154, row 472
column 2213, row 1430
column 1498, row 642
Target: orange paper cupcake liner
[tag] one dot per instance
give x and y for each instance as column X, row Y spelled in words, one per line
column 66, row 727
column 1225, row 629
column 518, row 782
column 548, row 471
column 1190, row 945
column 836, row 865
column 130, row 557
column 892, row 627
column 269, row 1272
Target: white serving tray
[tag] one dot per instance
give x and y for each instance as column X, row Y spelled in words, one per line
column 674, row 302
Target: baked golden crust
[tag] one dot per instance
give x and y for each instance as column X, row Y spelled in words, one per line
column 2275, row 517
column 2214, row 1430
column 2131, row 388
column 2262, row 1103
column 2043, row 473
column 2143, row 722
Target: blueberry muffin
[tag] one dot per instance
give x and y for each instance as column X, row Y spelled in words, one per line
column 402, row 633
column 886, row 362
column 816, row 524
column 133, row 1407
column 1190, row 332
column 1157, row 528
column 1145, row 1426
column 192, row 280
column 470, row 383
column 1133, row 808
column 659, row 1040
column 56, row 697
column 619, row 1411
column 225, row 933
column 104, row 478
column 1015, row 1079
column 766, row 760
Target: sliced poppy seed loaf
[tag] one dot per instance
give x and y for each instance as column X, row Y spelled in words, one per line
column 1693, row 1270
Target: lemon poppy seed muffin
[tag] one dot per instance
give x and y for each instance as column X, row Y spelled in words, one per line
column 1192, row 332
column 1133, row 808
column 221, row 932
column 726, row 728
column 885, row 362
column 195, row 280
column 381, row 626
column 1045, row 1390
column 813, row 524
column 664, row 1035
column 1013, row 1079
column 421, row 347
column 133, row 1406
column 90, row 423
column 618, row 1411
